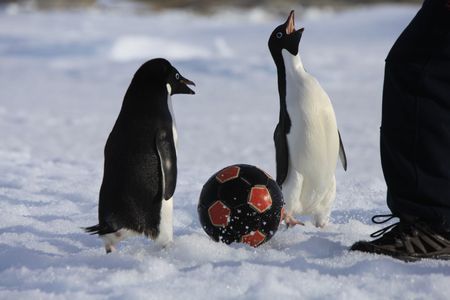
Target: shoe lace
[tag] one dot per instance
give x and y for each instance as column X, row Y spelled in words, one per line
column 381, row 219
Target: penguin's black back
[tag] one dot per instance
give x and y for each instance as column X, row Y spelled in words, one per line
column 132, row 188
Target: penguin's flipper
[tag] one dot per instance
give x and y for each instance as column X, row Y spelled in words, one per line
column 342, row 155
column 168, row 159
column 282, row 154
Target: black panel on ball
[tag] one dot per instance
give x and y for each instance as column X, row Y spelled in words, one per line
column 254, row 175
column 209, row 192
column 234, row 193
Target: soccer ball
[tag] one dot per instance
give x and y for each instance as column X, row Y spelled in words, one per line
column 241, row 203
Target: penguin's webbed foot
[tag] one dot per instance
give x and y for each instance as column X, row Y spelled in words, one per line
column 321, row 224
column 292, row 222
column 110, row 240
column 321, row 220
column 110, row 249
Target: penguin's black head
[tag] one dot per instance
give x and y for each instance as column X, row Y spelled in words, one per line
column 179, row 84
column 159, row 72
column 285, row 37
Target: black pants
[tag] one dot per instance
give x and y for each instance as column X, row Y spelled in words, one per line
column 415, row 128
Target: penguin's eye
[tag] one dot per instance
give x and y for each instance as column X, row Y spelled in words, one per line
column 279, row 35
column 177, row 76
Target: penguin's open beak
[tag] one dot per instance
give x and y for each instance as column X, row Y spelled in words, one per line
column 186, row 82
column 290, row 24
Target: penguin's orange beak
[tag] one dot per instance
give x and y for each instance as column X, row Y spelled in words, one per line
column 290, row 24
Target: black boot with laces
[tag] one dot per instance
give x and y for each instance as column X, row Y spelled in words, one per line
column 406, row 241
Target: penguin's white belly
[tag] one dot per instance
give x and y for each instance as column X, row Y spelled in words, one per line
column 313, row 144
column 174, row 127
column 165, row 236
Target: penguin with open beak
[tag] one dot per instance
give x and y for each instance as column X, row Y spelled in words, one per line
column 307, row 141
column 140, row 168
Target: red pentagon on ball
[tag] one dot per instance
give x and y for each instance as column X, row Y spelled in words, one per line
column 228, row 174
column 219, row 214
column 254, row 238
column 260, row 199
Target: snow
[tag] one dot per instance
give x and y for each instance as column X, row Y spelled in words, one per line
column 62, row 78
column 141, row 47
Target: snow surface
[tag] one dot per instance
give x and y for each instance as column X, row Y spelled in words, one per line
column 62, row 79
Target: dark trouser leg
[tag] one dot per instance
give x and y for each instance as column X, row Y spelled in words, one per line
column 415, row 132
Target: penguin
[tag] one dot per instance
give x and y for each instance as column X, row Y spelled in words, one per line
column 307, row 141
column 140, row 166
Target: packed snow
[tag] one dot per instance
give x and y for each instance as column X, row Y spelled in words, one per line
column 62, row 78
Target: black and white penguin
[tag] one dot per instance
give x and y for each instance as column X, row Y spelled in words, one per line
column 307, row 141
column 140, row 170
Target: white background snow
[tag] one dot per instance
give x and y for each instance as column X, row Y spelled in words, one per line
column 62, row 78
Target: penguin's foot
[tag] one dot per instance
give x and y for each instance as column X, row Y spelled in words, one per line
column 321, row 225
column 109, row 249
column 164, row 238
column 110, row 240
column 163, row 244
column 321, row 221
column 290, row 221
